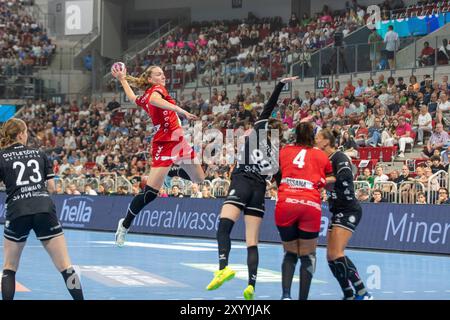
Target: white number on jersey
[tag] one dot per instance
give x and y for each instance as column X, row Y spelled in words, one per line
column 31, row 164
column 300, row 159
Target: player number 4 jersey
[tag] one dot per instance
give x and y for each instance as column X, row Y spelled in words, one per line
column 303, row 172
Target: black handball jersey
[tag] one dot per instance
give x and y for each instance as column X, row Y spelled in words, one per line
column 25, row 172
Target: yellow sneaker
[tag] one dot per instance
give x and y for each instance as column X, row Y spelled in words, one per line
column 249, row 293
column 220, row 277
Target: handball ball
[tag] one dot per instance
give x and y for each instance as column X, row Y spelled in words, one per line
column 117, row 66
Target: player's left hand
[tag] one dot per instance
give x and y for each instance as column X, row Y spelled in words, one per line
column 290, row 79
column 190, row 116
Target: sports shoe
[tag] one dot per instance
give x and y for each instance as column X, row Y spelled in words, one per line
column 401, row 155
column 249, row 293
column 420, row 143
column 220, row 277
column 121, row 233
column 366, row 296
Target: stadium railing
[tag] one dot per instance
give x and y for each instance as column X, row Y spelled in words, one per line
column 436, row 181
column 388, row 190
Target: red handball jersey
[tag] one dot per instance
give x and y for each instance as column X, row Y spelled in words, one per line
column 303, row 172
column 166, row 122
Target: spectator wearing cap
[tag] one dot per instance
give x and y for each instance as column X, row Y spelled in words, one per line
column 403, row 135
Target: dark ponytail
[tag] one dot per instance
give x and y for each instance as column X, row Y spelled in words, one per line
column 305, row 134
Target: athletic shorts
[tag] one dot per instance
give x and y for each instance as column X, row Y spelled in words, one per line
column 165, row 154
column 247, row 194
column 45, row 225
column 390, row 54
column 346, row 219
column 297, row 219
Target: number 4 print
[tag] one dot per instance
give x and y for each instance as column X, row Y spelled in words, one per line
column 300, row 159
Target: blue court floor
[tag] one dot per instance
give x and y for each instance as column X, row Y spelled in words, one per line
column 155, row 267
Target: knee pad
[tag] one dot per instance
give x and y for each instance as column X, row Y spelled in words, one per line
column 309, row 262
column 150, row 194
column 290, row 257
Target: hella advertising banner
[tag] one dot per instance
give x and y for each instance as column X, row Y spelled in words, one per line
column 383, row 226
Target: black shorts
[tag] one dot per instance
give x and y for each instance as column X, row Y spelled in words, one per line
column 347, row 219
column 291, row 233
column 45, row 225
column 390, row 54
column 247, row 194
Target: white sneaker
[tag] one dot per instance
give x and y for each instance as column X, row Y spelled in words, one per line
column 401, row 155
column 121, row 233
column 420, row 143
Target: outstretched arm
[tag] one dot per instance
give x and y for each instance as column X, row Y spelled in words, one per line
column 155, row 99
column 158, row 101
column 270, row 105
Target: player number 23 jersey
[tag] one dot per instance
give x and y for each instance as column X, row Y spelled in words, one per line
column 25, row 172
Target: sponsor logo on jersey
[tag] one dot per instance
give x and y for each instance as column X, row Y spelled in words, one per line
column 298, row 183
column 232, row 192
column 352, row 219
column 304, row 202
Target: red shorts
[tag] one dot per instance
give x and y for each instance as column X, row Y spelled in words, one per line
column 305, row 215
column 166, row 153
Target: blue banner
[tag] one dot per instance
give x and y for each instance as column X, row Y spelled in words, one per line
column 414, row 26
column 384, row 226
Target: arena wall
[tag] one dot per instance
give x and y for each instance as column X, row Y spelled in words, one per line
column 384, row 226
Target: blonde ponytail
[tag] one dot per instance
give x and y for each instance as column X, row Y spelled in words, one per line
column 142, row 81
column 10, row 130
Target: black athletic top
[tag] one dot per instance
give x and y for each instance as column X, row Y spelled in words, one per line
column 342, row 196
column 25, row 172
column 257, row 158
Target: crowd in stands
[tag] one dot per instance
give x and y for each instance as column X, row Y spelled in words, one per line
column 92, row 136
column 23, row 42
column 253, row 49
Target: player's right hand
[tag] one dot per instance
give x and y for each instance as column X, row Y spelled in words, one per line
column 119, row 74
column 290, row 79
